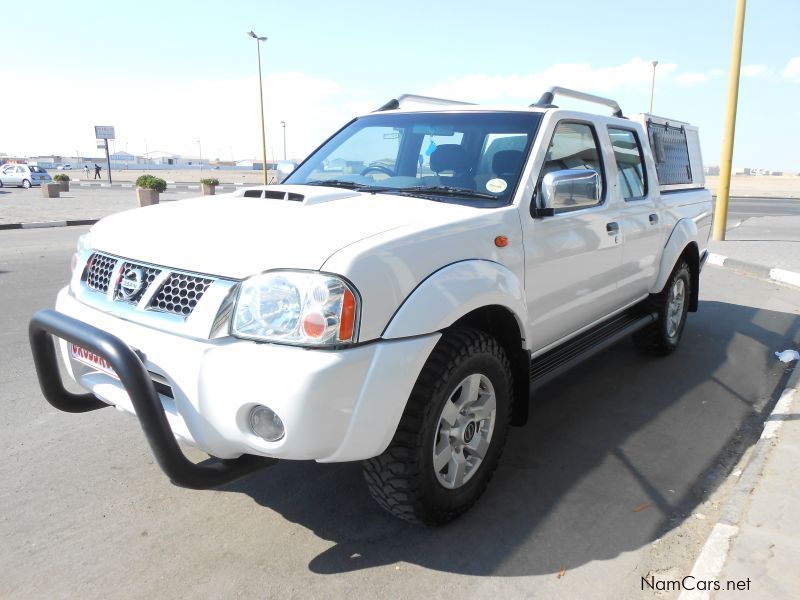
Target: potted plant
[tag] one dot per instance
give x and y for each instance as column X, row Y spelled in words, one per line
column 51, row 190
column 148, row 188
column 63, row 181
column 209, row 185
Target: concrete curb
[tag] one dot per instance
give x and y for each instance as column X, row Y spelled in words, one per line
column 40, row 224
column 715, row 551
column 775, row 274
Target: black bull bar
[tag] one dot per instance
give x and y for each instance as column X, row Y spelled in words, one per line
column 139, row 386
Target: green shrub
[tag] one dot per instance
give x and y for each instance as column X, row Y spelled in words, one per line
column 61, row 177
column 150, row 182
column 210, row 181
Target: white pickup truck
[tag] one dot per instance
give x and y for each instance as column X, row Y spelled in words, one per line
column 396, row 300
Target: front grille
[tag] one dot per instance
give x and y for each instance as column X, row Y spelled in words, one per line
column 98, row 271
column 180, row 293
column 148, row 275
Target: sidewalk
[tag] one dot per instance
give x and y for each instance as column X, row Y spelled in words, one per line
column 756, row 543
column 767, row 546
column 763, row 246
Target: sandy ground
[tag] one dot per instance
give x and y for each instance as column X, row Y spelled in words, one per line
column 785, row 186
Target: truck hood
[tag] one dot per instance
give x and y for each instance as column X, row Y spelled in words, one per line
column 233, row 236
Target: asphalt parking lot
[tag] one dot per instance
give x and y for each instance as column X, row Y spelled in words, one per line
column 618, row 474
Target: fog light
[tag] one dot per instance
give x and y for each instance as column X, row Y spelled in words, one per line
column 266, row 424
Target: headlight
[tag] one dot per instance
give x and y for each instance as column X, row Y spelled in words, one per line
column 83, row 248
column 297, row 307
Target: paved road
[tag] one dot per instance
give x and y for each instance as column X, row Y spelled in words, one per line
column 756, row 207
column 602, row 487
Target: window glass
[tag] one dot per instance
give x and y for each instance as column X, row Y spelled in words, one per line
column 471, row 158
column 373, row 148
column 574, row 146
column 630, row 165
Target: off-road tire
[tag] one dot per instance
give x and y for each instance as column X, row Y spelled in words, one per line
column 402, row 480
column 655, row 339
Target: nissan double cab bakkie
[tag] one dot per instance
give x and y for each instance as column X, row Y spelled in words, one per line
column 396, row 300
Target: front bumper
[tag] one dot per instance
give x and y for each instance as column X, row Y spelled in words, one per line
column 335, row 405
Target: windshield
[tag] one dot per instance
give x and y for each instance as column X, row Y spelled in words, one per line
column 473, row 158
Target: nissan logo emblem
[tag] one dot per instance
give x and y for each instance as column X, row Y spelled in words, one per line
column 131, row 283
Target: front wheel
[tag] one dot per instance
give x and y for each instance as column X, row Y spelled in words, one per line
column 26, row 184
column 663, row 336
column 451, row 435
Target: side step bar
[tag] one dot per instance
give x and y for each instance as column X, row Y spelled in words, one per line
column 553, row 363
column 47, row 324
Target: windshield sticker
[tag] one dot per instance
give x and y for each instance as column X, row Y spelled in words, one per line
column 496, row 185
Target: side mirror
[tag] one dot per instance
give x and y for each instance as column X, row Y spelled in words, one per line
column 568, row 188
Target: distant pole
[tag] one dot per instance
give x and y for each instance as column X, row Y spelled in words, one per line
column 108, row 161
column 283, row 124
column 200, row 146
column 653, row 84
column 145, row 153
column 261, row 97
column 724, row 188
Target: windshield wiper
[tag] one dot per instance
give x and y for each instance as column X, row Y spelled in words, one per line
column 446, row 190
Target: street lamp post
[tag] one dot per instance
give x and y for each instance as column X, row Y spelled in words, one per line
column 261, row 97
column 201, row 157
column 283, row 124
column 653, row 84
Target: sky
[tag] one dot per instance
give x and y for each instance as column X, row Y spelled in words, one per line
column 181, row 76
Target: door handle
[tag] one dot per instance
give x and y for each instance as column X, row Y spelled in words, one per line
column 653, row 219
column 612, row 228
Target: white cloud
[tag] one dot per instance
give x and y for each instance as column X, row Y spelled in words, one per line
column 755, row 70
column 792, row 70
column 691, row 78
column 636, row 73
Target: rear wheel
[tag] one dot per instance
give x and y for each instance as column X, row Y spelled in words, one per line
column 26, row 184
column 451, row 435
column 672, row 304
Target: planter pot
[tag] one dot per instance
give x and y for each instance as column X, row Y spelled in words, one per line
column 64, row 185
column 51, row 190
column 146, row 197
column 209, row 190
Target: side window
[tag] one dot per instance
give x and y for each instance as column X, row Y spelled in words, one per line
column 630, row 164
column 575, row 147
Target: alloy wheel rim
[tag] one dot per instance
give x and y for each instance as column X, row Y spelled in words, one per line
column 677, row 298
column 464, row 431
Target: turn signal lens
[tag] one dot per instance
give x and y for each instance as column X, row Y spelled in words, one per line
column 348, row 321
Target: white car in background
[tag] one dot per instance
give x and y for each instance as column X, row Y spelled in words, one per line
column 23, row 175
column 65, row 167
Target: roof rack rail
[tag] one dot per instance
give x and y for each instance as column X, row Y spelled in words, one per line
column 546, row 101
column 396, row 103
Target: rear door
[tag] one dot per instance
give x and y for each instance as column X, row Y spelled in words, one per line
column 639, row 217
column 572, row 258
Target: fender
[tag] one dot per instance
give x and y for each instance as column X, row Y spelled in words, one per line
column 684, row 233
column 453, row 291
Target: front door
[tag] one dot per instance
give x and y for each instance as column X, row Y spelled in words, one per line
column 572, row 258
